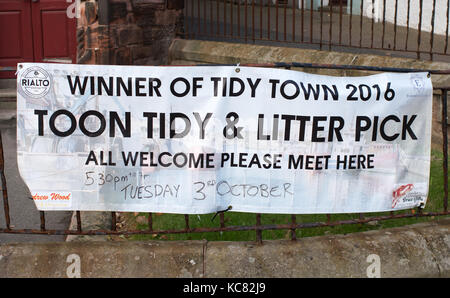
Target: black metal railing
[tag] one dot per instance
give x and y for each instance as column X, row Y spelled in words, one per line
column 258, row 227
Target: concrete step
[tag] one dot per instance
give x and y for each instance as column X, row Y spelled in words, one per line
column 8, row 99
column 8, row 84
column 7, row 94
column 8, row 104
column 9, row 112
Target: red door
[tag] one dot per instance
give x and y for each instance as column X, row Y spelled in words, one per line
column 16, row 37
column 35, row 31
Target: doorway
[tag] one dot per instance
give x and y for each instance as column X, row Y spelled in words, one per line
column 35, row 31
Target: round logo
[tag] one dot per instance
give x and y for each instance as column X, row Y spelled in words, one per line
column 35, row 82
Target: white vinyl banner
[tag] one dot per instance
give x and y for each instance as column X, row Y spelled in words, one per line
column 199, row 139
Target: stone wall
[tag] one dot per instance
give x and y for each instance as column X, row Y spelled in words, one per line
column 419, row 250
column 127, row 32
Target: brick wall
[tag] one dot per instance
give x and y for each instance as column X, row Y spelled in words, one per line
column 128, row 32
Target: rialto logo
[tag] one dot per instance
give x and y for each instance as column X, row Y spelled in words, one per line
column 400, row 192
column 35, row 82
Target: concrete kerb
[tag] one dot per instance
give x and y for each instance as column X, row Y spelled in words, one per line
column 419, row 250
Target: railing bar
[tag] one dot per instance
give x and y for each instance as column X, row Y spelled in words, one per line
column 260, row 18
column 311, row 23
column 373, row 22
column 294, row 222
column 420, row 28
column 321, row 24
column 226, row 229
column 268, row 20
column 433, row 15
column 211, row 18
column 186, row 23
column 276, row 20
column 245, row 21
column 231, row 18
column 340, row 22
column 419, row 211
column 258, row 231
column 113, row 221
column 222, row 219
column 395, row 24
column 350, row 23
column 384, row 24
column 192, row 19
column 303, row 20
column 217, row 18
column 150, row 222
column 199, row 18
column 285, row 21
column 224, row 17
column 446, row 28
column 42, row 217
column 331, row 26
column 361, row 23
column 293, row 20
column 407, row 23
column 186, row 221
column 253, row 21
column 205, row 30
column 4, row 187
column 78, row 216
column 445, row 146
column 239, row 18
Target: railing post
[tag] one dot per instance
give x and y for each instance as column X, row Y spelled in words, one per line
column 4, row 189
column 78, row 215
column 258, row 231
column 113, row 221
column 42, row 216
column 445, row 146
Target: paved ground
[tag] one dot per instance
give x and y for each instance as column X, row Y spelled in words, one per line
column 23, row 212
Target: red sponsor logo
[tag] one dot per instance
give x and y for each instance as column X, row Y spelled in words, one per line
column 37, row 197
column 400, row 192
column 53, row 196
column 59, row 197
